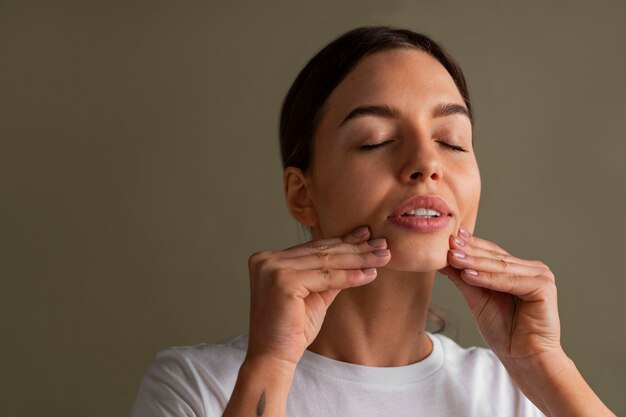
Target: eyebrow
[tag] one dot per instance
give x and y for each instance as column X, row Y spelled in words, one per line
column 389, row 112
column 448, row 109
column 373, row 110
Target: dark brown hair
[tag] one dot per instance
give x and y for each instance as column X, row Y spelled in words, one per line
column 302, row 107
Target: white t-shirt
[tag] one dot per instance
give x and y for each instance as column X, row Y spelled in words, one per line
column 451, row 381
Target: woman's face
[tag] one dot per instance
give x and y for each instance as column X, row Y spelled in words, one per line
column 370, row 165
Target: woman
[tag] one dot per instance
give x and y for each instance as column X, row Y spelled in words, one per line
column 376, row 140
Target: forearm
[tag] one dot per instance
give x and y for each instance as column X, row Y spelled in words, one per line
column 261, row 389
column 554, row 384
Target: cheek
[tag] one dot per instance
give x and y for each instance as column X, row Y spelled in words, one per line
column 345, row 200
column 468, row 198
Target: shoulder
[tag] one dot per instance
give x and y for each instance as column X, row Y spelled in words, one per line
column 483, row 376
column 198, row 379
column 217, row 358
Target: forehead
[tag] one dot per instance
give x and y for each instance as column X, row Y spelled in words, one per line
column 409, row 79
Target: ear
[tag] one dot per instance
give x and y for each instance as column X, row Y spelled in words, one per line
column 299, row 196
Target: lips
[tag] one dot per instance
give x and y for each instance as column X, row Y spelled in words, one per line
column 416, row 223
column 432, row 202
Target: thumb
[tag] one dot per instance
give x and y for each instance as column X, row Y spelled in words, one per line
column 329, row 296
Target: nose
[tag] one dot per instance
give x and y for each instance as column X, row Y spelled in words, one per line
column 422, row 162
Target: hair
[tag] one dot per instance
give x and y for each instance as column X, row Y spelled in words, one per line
column 302, row 108
column 303, row 105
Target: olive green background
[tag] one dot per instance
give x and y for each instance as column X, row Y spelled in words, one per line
column 139, row 169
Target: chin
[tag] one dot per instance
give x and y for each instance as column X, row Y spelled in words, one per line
column 418, row 258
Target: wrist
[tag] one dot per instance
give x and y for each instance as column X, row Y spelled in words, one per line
column 273, row 368
column 545, row 363
column 552, row 381
column 262, row 387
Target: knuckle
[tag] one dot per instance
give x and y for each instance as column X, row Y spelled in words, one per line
column 549, row 286
column 543, row 266
column 256, row 257
column 265, row 266
column 324, row 257
column 500, row 256
column 547, row 277
column 550, row 275
column 513, row 281
column 313, row 244
column 324, row 273
column 324, row 244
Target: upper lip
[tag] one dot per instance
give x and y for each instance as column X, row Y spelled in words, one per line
column 433, row 202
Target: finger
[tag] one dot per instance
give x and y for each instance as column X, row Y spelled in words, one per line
column 456, row 243
column 355, row 241
column 329, row 296
column 329, row 281
column 462, row 260
column 331, row 260
column 478, row 242
column 528, row 288
column 357, row 235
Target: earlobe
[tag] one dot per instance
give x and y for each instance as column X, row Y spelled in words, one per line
column 298, row 196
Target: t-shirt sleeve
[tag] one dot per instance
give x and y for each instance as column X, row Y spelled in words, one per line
column 169, row 389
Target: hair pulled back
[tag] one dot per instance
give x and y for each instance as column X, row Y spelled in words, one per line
column 302, row 107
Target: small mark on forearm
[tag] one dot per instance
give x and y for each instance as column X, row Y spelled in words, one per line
column 260, row 406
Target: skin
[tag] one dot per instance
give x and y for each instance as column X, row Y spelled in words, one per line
column 415, row 158
column 363, row 297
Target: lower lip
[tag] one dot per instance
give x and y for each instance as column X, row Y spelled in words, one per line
column 434, row 224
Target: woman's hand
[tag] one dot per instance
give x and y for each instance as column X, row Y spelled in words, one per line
column 514, row 303
column 292, row 289
column 513, row 300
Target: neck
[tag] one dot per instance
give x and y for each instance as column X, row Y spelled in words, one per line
column 379, row 324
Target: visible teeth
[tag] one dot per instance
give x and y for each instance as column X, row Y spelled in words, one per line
column 423, row 212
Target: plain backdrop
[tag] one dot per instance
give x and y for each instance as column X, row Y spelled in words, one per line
column 139, row 169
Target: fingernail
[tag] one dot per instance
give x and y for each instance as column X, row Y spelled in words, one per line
column 381, row 252
column 471, row 272
column 463, row 232
column 369, row 272
column 381, row 242
column 458, row 241
column 360, row 231
column 458, row 254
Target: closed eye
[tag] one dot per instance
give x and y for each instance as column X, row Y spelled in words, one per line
column 453, row 147
column 372, row 146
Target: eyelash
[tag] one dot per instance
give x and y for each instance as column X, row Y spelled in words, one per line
column 370, row 147
column 453, row 147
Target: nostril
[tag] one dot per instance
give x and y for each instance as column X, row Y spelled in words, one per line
column 415, row 175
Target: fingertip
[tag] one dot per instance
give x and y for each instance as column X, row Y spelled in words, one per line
column 381, row 253
column 357, row 235
column 379, row 243
column 370, row 273
column 360, row 232
column 470, row 272
column 367, row 275
column 472, row 277
column 464, row 233
column 458, row 242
